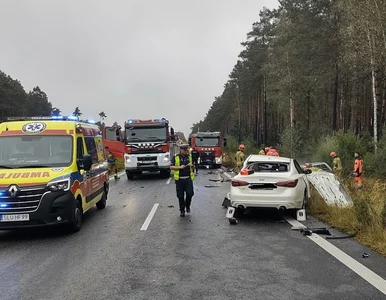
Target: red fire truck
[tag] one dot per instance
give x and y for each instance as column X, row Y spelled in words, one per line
column 209, row 145
column 146, row 145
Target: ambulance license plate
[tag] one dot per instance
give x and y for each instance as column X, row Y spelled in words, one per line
column 13, row 218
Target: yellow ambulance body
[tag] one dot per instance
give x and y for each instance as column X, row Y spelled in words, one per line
column 52, row 170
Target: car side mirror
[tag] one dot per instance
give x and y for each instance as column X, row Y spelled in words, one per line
column 225, row 142
column 86, row 162
column 190, row 141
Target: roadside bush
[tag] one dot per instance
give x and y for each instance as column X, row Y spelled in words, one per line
column 345, row 145
column 374, row 164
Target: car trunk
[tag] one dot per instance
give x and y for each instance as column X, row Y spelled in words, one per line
column 262, row 184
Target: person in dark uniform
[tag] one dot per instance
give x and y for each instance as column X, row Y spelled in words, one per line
column 195, row 156
column 182, row 165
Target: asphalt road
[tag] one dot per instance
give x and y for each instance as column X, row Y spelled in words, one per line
column 200, row 256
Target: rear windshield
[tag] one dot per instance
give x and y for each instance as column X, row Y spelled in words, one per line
column 269, row 166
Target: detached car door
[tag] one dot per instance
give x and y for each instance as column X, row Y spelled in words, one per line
column 304, row 176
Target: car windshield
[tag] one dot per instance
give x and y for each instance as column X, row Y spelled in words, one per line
column 269, row 166
column 207, row 142
column 146, row 134
column 35, row 151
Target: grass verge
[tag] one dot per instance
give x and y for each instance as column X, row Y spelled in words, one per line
column 368, row 215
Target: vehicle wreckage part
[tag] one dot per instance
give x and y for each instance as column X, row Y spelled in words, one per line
column 330, row 188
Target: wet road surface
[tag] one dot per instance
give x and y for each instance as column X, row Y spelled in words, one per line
column 200, row 256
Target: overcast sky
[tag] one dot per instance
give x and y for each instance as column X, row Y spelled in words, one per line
column 131, row 59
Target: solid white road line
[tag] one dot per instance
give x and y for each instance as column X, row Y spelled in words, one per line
column 119, row 174
column 170, row 179
column 150, row 217
column 375, row 280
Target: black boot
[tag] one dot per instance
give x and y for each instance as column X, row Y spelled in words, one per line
column 182, row 214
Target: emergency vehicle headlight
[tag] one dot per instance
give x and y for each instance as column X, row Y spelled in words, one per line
column 59, row 185
column 128, row 159
column 166, row 157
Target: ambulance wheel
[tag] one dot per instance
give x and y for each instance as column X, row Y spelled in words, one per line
column 233, row 221
column 76, row 223
column 130, row 175
column 101, row 204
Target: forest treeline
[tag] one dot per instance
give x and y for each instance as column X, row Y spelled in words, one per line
column 314, row 67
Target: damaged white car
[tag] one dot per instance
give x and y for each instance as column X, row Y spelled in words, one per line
column 268, row 182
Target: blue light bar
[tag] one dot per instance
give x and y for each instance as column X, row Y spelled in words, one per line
column 3, row 205
column 53, row 117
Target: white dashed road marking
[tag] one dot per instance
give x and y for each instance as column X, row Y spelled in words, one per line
column 375, row 280
column 170, row 179
column 150, row 217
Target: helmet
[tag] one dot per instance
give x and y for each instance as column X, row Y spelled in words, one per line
column 241, row 147
column 332, row 154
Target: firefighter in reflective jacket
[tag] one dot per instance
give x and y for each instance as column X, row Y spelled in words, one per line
column 112, row 165
column 240, row 158
column 358, row 169
column 336, row 164
column 272, row 152
column 182, row 165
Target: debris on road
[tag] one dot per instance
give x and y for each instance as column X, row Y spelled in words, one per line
column 216, row 180
column 343, row 237
column 309, row 231
column 210, row 186
column 170, row 206
column 365, row 255
column 226, row 202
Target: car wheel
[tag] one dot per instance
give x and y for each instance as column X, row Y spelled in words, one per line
column 101, row 204
column 130, row 175
column 233, row 221
column 76, row 223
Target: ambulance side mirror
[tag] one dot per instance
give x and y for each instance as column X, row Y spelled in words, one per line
column 86, row 162
column 225, row 142
column 190, row 141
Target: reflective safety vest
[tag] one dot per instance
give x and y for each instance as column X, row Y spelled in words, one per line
column 240, row 157
column 337, row 164
column 177, row 164
column 272, row 152
column 262, row 152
